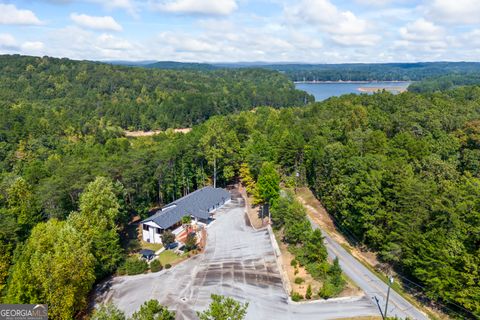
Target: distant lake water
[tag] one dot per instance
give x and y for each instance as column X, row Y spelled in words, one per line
column 324, row 90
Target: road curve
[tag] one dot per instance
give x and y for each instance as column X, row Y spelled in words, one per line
column 373, row 287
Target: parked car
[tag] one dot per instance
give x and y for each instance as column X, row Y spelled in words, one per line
column 147, row 254
column 171, row 246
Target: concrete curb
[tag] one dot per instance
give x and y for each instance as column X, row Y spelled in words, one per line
column 278, row 255
column 321, row 301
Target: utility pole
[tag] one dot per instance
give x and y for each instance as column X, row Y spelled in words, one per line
column 215, row 171
column 390, row 282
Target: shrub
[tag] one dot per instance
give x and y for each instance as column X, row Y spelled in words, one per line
column 168, row 266
column 156, row 265
column 296, row 271
column 191, row 241
column 296, row 296
column 299, row 280
column 294, row 263
column 308, row 294
column 133, row 266
column 329, row 290
column 168, row 238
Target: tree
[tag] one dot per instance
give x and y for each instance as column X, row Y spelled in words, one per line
column 186, row 220
column 167, row 238
column 268, row 183
column 308, row 294
column 247, row 179
column 99, row 211
column 268, row 186
column 21, row 205
column 56, row 267
column 221, row 146
column 191, row 241
column 224, row 308
column 153, row 310
column 108, row 312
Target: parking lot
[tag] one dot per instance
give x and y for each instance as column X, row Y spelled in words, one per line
column 238, row 262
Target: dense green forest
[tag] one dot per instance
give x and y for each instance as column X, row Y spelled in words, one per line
column 443, row 83
column 139, row 98
column 401, row 173
column 348, row 71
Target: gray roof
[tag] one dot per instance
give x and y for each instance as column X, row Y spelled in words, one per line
column 197, row 204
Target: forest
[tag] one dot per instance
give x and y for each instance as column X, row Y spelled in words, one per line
column 140, row 98
column 348, row 71
column 446, row 82
column 400, row 173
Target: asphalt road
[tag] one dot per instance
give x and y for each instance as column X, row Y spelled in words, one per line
column 238, row 262
column 370, row 283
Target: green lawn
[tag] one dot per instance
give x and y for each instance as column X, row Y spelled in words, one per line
column 169, row 257
column 151, row 246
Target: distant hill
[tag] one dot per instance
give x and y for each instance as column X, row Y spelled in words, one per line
column 340, row 72
column 172, row 65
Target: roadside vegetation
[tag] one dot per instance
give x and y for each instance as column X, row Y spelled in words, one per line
column 290, row 221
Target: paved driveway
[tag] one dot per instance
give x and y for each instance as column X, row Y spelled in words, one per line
column 238, row 262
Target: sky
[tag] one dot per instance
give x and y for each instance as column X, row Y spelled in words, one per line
column 307, row 31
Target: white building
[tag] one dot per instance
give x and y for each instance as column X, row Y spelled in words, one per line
column 199, row 205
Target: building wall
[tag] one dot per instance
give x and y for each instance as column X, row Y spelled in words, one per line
column 152, row 234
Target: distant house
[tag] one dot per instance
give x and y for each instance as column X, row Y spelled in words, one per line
column 199, row 205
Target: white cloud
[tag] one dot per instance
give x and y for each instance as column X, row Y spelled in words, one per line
column 32, row 46
column 110, row 42
column 127, row 5
column 422, row 30
column 206, row 7
column 343, row 27
column 363, row 40
column 455, row 11
column 97, row 23
column 9, row 14
column 7, row 41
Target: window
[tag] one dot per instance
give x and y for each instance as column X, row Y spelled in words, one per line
column 158, row 230
column 145, row 227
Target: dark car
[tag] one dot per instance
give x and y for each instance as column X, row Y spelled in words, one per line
column 147, row 254
column 171, row 246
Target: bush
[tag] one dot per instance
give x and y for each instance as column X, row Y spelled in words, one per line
column 168, row 238
column 296, row 271
column 191, row 241
column 156, row 265
column 133, row 266
column 308, row 294
column 296, row 296
column 329, row 290
column 299, row 280
column 294, row 263
column 168, row 266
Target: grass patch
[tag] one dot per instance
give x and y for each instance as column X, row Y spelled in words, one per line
column 169, row 257
column 151, row 246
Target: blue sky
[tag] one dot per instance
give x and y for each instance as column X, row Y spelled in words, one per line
column 313, row 31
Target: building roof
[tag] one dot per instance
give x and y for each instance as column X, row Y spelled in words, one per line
column 197, row 204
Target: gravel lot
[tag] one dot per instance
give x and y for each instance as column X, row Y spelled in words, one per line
column 238, row 262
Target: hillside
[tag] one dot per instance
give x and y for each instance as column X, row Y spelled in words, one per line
column 140, row 98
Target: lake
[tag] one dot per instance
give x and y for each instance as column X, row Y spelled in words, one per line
column 324, row 90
